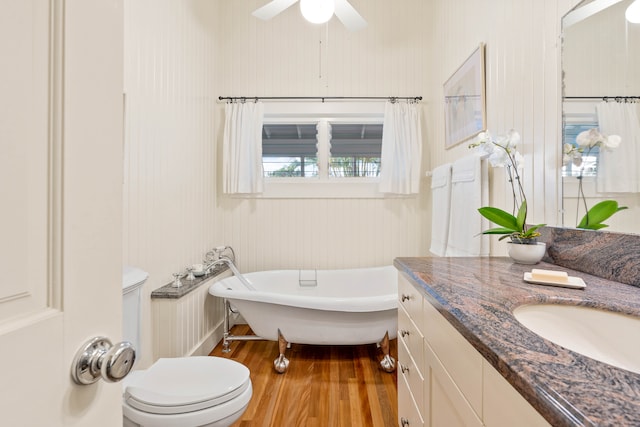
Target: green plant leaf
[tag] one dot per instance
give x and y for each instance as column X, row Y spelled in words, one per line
column 599, row 212
column 535, row 227
column 522, row 215
column 531, row 232
column 498, row 231
column 500, row 217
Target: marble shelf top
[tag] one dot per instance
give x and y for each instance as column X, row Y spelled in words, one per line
column 477, row 296
column 169, row 292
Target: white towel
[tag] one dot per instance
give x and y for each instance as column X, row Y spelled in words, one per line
column 469, row 191
column 440, row 204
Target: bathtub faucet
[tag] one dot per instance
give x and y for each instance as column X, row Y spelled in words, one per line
column 226, row 260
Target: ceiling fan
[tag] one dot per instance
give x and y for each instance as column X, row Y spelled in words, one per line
column 316, row 11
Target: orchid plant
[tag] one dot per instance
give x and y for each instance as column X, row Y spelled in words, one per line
column 586, row 142
column 501, row 152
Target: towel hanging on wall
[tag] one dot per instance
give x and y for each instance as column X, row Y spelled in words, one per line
column 440, row 205
column 469, row 192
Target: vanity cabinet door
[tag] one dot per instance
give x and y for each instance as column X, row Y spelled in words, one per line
column 447, row 406
column 503, row 406
column 459, row 359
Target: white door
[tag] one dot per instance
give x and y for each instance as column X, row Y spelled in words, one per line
column 61, row 206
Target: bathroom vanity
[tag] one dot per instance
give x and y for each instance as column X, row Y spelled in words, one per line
column 464, row 359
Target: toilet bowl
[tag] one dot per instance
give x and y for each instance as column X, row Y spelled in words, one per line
column 198, row 391
column 186, row 392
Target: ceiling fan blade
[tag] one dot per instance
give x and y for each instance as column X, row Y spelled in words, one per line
column 349, row 17
column 272, row 8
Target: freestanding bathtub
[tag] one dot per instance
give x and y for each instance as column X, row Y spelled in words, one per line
column 331, row 307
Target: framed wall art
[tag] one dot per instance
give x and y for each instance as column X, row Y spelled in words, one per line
column 464, row 100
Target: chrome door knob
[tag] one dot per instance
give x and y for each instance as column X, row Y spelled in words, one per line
column 98, row 358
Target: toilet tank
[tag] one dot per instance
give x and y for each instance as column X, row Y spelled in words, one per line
column 132, row 280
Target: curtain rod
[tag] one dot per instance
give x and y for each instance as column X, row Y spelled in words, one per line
column 318, row 98
column 604, row 98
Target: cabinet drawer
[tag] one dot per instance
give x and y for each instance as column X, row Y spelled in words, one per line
column 409, row 333
column 408, row 413
column 411, row 299
column 458, row 357
column 412, row 375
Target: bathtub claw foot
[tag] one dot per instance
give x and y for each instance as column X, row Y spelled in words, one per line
column 281, row 364
column 388, row 363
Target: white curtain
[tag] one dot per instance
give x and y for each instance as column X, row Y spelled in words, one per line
column 618, row 170
column 242, row 148
column 401, row 149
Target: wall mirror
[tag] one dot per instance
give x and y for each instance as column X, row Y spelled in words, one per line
column 601, row 89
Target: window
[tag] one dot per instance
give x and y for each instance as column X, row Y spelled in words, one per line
column 355, row 149
column 589, row 164
column 289, row 150
column 322, row 150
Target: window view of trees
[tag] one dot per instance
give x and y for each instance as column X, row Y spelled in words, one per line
column 289, row 167
column 291, row 150
column 354, row 166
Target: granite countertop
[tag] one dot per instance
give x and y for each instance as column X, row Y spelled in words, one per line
column 477, row 296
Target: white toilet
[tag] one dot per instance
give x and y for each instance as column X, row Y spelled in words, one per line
column 182, row 391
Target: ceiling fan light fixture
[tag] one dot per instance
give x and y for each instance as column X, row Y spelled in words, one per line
column 317, row 11
column 633, row 12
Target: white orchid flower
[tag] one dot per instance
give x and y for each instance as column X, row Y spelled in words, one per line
column 612, row 141
column 513, row 139
column 571, row 154
column 589, row 138
column 498, row 158
column 567, row 148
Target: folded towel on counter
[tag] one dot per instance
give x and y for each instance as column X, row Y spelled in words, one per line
column 469, row 191
column 440, row 207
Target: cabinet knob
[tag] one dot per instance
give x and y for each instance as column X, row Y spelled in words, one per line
column 404, row 368
column 404, row 333
column 404, row 422
column 405, row 297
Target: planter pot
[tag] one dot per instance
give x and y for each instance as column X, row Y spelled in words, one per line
column 527, row 253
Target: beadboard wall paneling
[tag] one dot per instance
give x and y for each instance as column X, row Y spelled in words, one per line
column 169, row 181
column 522, row 88
column 191, row 325
column 287, row 56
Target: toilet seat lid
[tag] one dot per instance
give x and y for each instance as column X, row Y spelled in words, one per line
column 187, row 384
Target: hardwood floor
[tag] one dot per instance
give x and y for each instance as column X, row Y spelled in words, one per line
column 325, row 386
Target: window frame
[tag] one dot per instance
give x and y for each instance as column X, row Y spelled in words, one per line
column 322, row 186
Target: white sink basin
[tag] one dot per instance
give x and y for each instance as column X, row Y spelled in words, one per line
column 602, row 335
